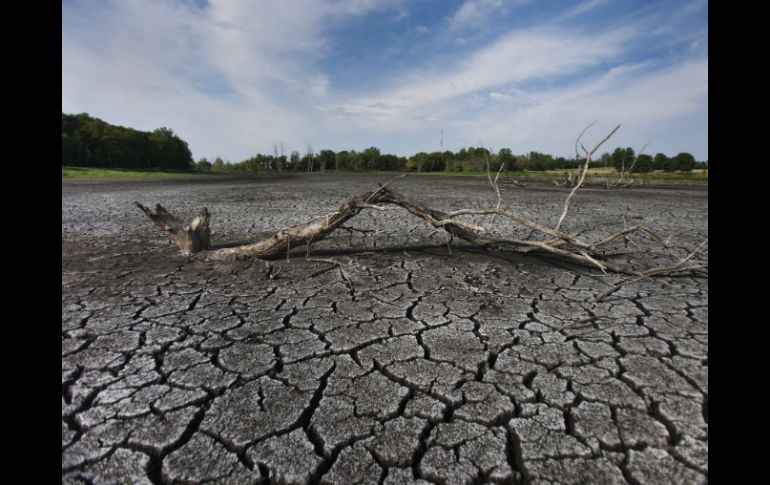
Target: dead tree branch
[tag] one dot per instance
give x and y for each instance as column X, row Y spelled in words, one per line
column 553, row 242
column 493, row 183
column 583, row 172
column 676, row 268
column 190, row 238
column 561, row 245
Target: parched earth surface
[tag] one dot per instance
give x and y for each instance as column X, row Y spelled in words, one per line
column 406, row 364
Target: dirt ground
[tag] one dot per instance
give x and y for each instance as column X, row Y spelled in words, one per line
column 420, row 364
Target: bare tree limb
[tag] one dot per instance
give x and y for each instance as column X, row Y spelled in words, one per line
column 647, row 274
column 195, row 237
column 678, row 267
column 583, row 172
column 577, row 154
column 385, row 185
column 190, row 238
column 566, row 247
column 493, row 183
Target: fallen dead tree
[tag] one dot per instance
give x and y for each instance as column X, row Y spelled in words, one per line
column 195, row 236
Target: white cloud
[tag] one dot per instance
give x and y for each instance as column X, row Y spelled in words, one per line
column 508, row 95
column 474, row 11
column 238, row 76
column 583, row 7
column 500, row 96
column 694, row 6
column 652, row 105
column 233, row 77
column 519, row 56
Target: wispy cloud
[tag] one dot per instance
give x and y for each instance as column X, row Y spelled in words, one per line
column 234, row 66
column 474, row 11
column 233, row 77
column 649, row 103
column 695, row 6
column 518, row 57
column 583, row 7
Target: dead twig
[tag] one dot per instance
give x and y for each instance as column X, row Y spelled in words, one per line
column 583, row 171
column 620, row 181
column 676, row 268
column 385, row 185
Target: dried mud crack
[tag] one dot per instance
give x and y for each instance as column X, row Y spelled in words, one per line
column 437, row 368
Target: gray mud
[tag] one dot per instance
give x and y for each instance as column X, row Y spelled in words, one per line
column 419, row 366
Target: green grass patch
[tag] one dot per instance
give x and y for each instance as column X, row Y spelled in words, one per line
column 96, row 172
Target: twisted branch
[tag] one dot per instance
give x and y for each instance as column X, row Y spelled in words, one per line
column 195, row 237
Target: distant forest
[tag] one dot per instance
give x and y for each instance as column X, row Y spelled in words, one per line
column 91, row 142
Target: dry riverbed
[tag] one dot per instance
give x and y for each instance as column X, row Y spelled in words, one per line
column 413, row 366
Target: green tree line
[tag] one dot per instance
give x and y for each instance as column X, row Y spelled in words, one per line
column 471, row 159
column 91, row 142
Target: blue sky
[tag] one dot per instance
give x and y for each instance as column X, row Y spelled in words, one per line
column 239, row 77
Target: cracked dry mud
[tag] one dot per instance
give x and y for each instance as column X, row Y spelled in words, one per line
column 431, row 368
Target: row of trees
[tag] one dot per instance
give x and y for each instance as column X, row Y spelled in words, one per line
column 472, row 159
column 91, row 142
column 624, row 159
column 325, row 160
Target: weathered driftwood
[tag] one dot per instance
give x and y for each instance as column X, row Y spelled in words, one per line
column 190, row 238
column 560, row 244
column 195, row 237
